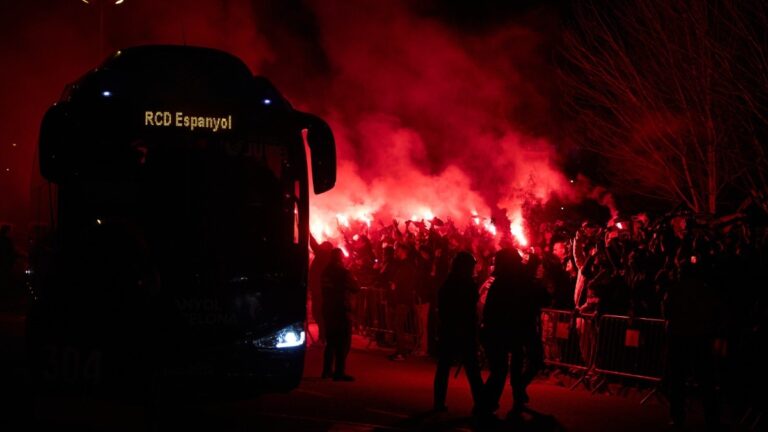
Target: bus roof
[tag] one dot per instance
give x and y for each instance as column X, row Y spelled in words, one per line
column 171, row 75
column 148, row 57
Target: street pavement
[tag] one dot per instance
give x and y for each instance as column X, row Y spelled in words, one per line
column 386, row 396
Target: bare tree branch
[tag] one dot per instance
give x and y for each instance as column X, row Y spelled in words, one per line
column 673, row 95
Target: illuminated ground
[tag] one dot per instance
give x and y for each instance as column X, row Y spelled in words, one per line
column 386, row 396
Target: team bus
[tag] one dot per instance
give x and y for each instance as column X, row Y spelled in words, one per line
column 179, row 253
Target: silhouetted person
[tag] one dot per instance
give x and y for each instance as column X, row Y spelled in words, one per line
column 7, row 259
column 404, row 283
column 338, row 285
column 322, row 253
column 510, row 326
column 694, row 318
column 457, row 329
column 425, row 295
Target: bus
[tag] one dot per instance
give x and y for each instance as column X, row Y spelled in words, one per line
column 178, row 254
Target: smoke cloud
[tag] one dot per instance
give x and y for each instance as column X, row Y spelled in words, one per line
column 431, row 118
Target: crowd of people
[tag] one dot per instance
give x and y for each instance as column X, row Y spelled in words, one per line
column 703, row 276
column 473, row 289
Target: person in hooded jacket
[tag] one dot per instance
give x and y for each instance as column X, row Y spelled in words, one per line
column 457, row 329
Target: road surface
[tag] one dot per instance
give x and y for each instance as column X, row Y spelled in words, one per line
column 386, row 396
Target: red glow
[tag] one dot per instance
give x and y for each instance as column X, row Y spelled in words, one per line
column 434, row 134
column 490, row 227
column 343, row 220
column 322, row 229
column 438, row 142
column 517, row 231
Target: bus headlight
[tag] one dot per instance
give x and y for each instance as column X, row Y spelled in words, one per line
column 288, row 337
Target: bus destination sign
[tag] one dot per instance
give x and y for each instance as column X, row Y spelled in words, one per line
column 180, row 120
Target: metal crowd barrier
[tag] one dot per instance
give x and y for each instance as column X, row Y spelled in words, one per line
column 561, row 340
column 372, row 314
column 568, row 342
column 631, row 347
column 377, row 319
column 609, row 345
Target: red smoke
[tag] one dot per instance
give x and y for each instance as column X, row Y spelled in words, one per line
column 424, row 117
column 429, row 119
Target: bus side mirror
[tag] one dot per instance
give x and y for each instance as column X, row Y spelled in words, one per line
column 56, row 134
column 322, row 147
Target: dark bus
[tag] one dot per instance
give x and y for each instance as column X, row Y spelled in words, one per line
column 179, row 251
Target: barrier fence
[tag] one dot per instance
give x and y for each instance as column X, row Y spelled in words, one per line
column 382, row 321
column 633, row 348
column 372, row 314
column 607, row 345
column 560, row 339
column 587, row 345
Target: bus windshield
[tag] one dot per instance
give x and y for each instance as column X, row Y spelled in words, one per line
column 204, row 208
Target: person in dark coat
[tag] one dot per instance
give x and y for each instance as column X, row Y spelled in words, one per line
column 405, row 283
column 457, row 329
column 322, row 253
column 694, row 325
column 7, row 258
column 510, row 326
column 338, row 285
